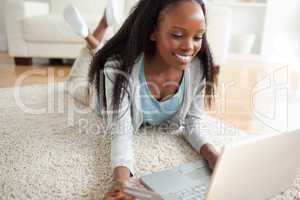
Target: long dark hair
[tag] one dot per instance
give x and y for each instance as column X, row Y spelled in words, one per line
column 132, row 40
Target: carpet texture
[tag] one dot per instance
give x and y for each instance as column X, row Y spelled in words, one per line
column 54, row 148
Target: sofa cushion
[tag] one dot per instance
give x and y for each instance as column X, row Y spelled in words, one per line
column 53, row 28
column 86, row 6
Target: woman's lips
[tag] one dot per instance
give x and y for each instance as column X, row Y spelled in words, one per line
column 183, row 58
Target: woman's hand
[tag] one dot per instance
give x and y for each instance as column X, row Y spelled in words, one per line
column 212, row 160
column 210, row 154
column 116, row 193
column 121, row 176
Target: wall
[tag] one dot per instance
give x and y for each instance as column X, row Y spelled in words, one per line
column 282, row 30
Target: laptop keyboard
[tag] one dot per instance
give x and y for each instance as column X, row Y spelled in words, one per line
column 188, row 181
column 196, row 192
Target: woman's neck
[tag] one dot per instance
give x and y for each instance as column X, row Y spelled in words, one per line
column 156, row 65
column 164, row 77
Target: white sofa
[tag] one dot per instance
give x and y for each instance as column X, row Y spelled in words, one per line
column 37, row 29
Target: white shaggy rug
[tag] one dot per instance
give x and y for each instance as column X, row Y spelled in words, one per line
column 56, row 153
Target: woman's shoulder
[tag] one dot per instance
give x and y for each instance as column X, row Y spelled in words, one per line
column 113, row 62
column 111, row 67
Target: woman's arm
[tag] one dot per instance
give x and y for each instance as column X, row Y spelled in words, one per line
column 120, row 128
column 199, row 140
column 196, row 134
column 121, row 174
column 121, row 133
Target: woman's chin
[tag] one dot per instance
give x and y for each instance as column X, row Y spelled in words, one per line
column 182, row 66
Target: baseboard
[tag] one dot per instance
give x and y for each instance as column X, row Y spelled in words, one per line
column 3, row 42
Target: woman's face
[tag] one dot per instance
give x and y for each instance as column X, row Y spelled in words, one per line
column 179, row 34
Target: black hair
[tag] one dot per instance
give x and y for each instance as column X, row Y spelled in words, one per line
column 133, row 39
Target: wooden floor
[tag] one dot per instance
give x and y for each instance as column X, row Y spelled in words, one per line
column 238, row 100
column 35, row 74
column 258, row 97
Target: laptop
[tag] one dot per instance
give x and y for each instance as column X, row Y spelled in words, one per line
column 259, row 168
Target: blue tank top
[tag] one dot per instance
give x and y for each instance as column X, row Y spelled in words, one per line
column 154, row 111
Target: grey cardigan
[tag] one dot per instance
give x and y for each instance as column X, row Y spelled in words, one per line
column 187, row 119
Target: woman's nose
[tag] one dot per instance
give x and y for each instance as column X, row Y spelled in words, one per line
column 187, row 45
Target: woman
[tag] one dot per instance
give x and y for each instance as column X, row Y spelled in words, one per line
column 152, row 72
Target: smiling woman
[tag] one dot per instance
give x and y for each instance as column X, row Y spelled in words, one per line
column 177, row 41
column 153, row 72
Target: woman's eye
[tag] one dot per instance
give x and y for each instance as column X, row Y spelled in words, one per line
column 176, row 35
column 198, row 38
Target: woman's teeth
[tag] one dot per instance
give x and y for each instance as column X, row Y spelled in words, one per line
column 184, row 58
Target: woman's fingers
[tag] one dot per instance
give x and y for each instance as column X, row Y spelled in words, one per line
column 116, row 193
column 117, row 196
